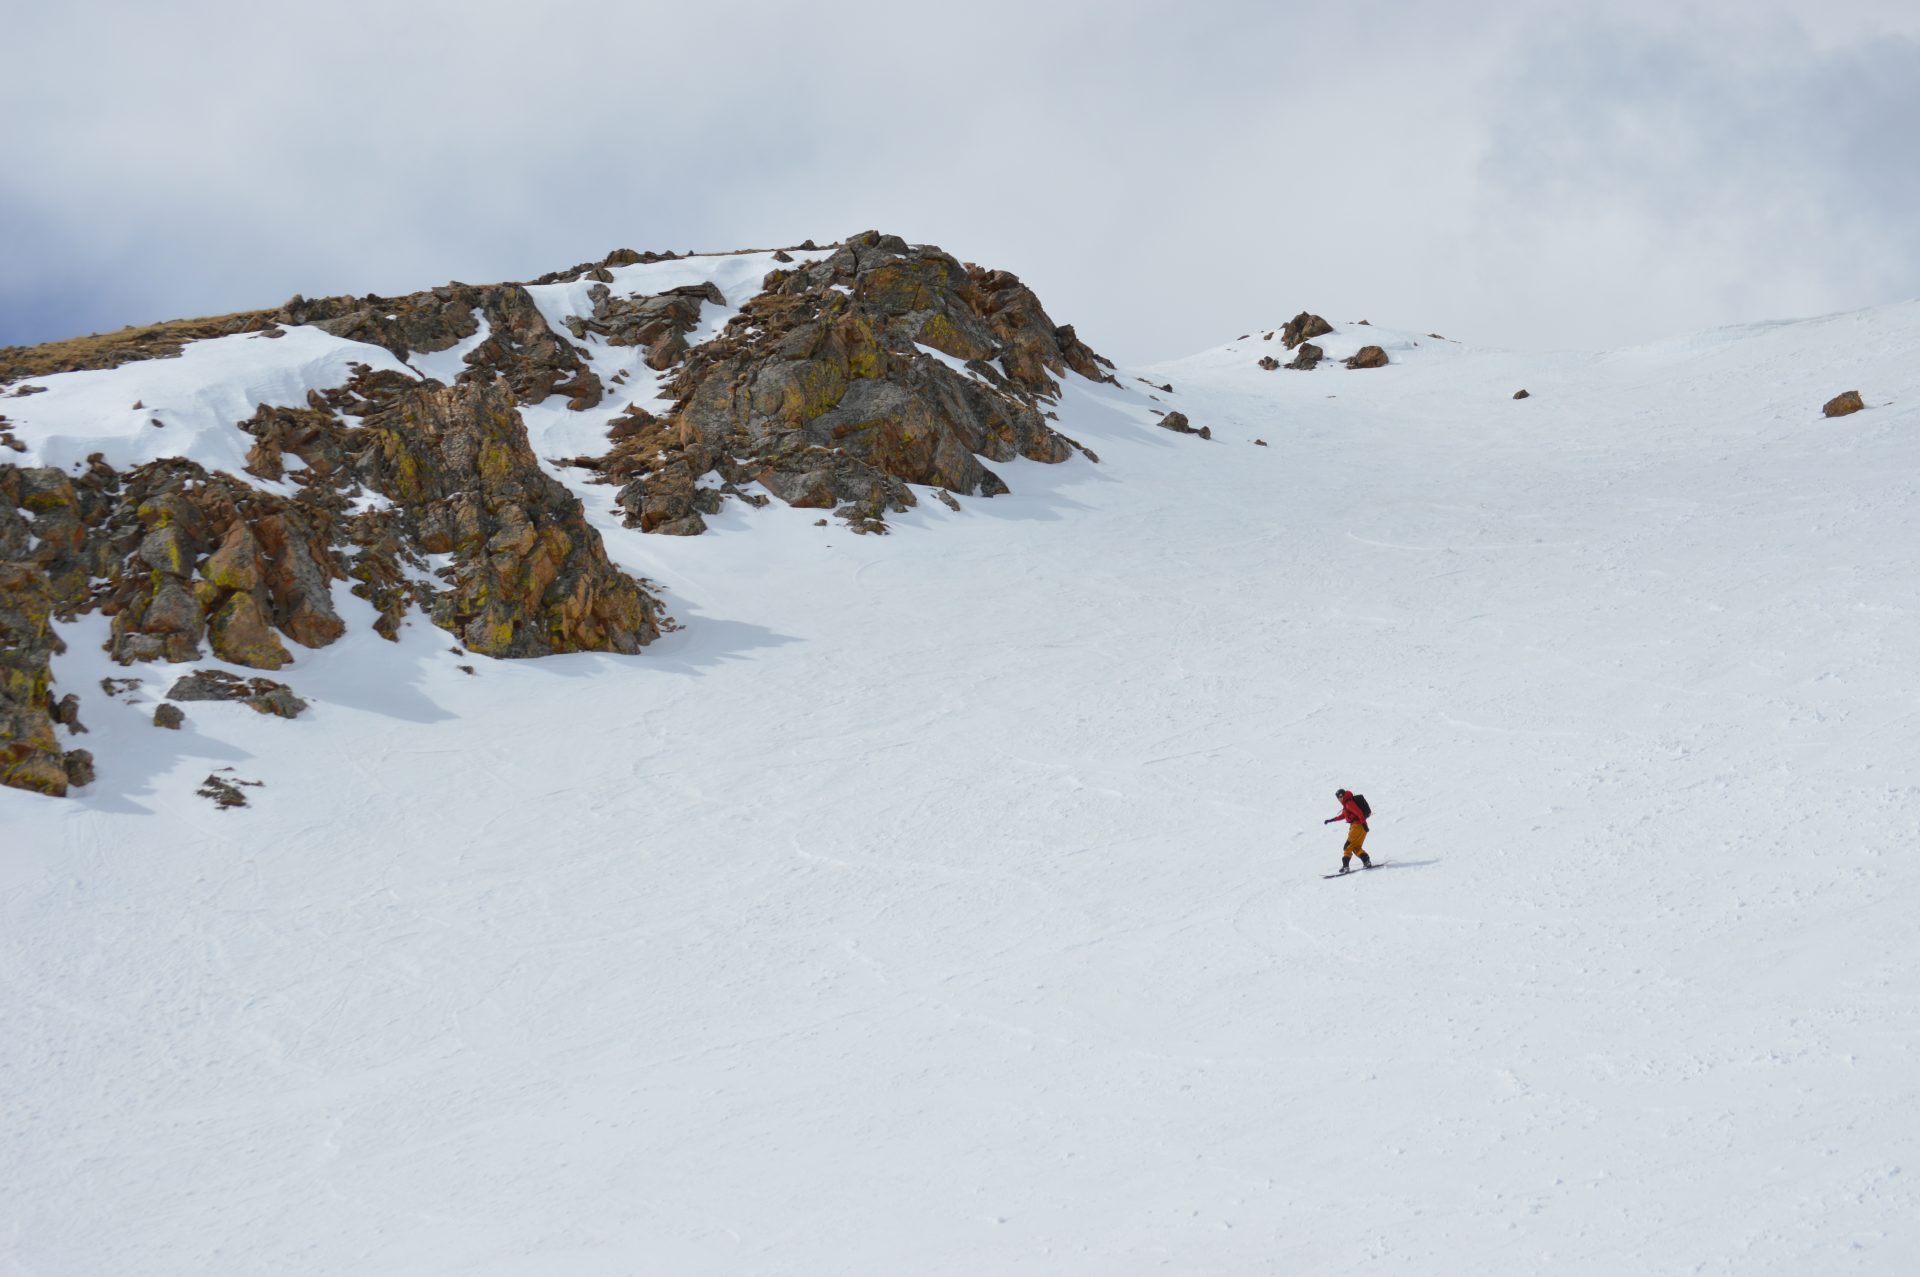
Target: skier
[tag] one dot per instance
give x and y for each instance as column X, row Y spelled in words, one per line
column 1353, row 810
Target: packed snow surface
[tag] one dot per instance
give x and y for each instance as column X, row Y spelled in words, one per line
column 951, row 901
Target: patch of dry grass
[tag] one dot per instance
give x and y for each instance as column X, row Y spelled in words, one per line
column 110, row 350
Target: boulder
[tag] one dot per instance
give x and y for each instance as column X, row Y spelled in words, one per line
column 168, row 716
column 1367, row 357
column 1269, row 363
column 1520, row 394
column 78, row 765
column 1842, row 404
column 1303, row 327
column 1307, row 357
column 262, row 695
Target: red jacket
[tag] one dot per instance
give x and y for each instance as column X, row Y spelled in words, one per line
column 1350, row 812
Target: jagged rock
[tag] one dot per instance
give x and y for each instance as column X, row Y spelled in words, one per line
column 1303, row 327
column 1367, row 357
column 262, row 695
column 1520, row 394
column 1269, row 363
column 1178, row 423
column 30, row 756
column 1307, row 357
column 530, row 575
column 240, row 633
column 66, row 712
column 225, row 793
column 822, row 392
column 168, row 716
column 1842, row 404
column 217, row 685
column 78, row 765
column 280, row 701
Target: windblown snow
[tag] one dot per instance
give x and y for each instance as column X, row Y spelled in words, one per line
column 951, row 901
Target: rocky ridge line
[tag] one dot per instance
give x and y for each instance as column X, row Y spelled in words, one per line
column 823, row 389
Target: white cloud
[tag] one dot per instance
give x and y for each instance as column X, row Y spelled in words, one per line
column 1166, row 176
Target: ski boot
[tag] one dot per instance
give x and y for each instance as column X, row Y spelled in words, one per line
column 1346, row 865
column 1363, row 860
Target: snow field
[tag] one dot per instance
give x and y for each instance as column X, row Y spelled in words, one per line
column 950, row 902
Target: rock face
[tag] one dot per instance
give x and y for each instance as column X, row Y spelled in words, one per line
column 1842, row 404
column 830, row 388
column 1303, row 327
column 1367, row 357
column 844, row 381
column 188, row 562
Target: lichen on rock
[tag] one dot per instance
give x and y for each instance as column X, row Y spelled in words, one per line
column 829, row 390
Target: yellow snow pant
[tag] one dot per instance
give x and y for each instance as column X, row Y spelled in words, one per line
column 1356, row 835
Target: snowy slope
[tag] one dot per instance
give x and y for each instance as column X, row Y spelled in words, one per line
column 950, row 901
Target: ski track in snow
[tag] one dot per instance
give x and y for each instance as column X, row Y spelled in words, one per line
column 950, row 902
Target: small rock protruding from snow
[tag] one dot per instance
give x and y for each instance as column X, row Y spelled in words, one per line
column 1303, row 327
column 1842, row 404
column 1178, row 423
column 1305, row 358
column 1521, row 394
column 1367, row 357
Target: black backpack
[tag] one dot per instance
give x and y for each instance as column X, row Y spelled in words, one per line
column 1360, row 801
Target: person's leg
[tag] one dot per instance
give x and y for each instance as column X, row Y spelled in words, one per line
column 1356, row 843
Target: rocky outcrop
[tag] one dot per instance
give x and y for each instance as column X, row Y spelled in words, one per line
column 1303, row 327
column 1842, row 404
column 262, row 695
column 829, row 389
column 463, row 523
column 1307, row 357
column 1178, row 423
column 660, row 322
column 841, row 385
column 520, row 346
column 1366, row 357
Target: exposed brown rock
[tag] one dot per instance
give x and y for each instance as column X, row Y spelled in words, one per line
column 1303, row 327
column 1521, row 394
column 1842, row 404
column 168, row 716
column 1307, row 357
column 223, row 792
column 1367, row 357
column 78, row 764
column 821, row 390
column 1178, row 423
column 1269, row 363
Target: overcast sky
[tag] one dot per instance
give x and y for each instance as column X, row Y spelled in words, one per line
column 1167, row 175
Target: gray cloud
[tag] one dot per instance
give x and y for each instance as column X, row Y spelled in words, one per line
column 1165, row 175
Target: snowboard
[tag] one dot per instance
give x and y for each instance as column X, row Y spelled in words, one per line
column 1351, row 872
